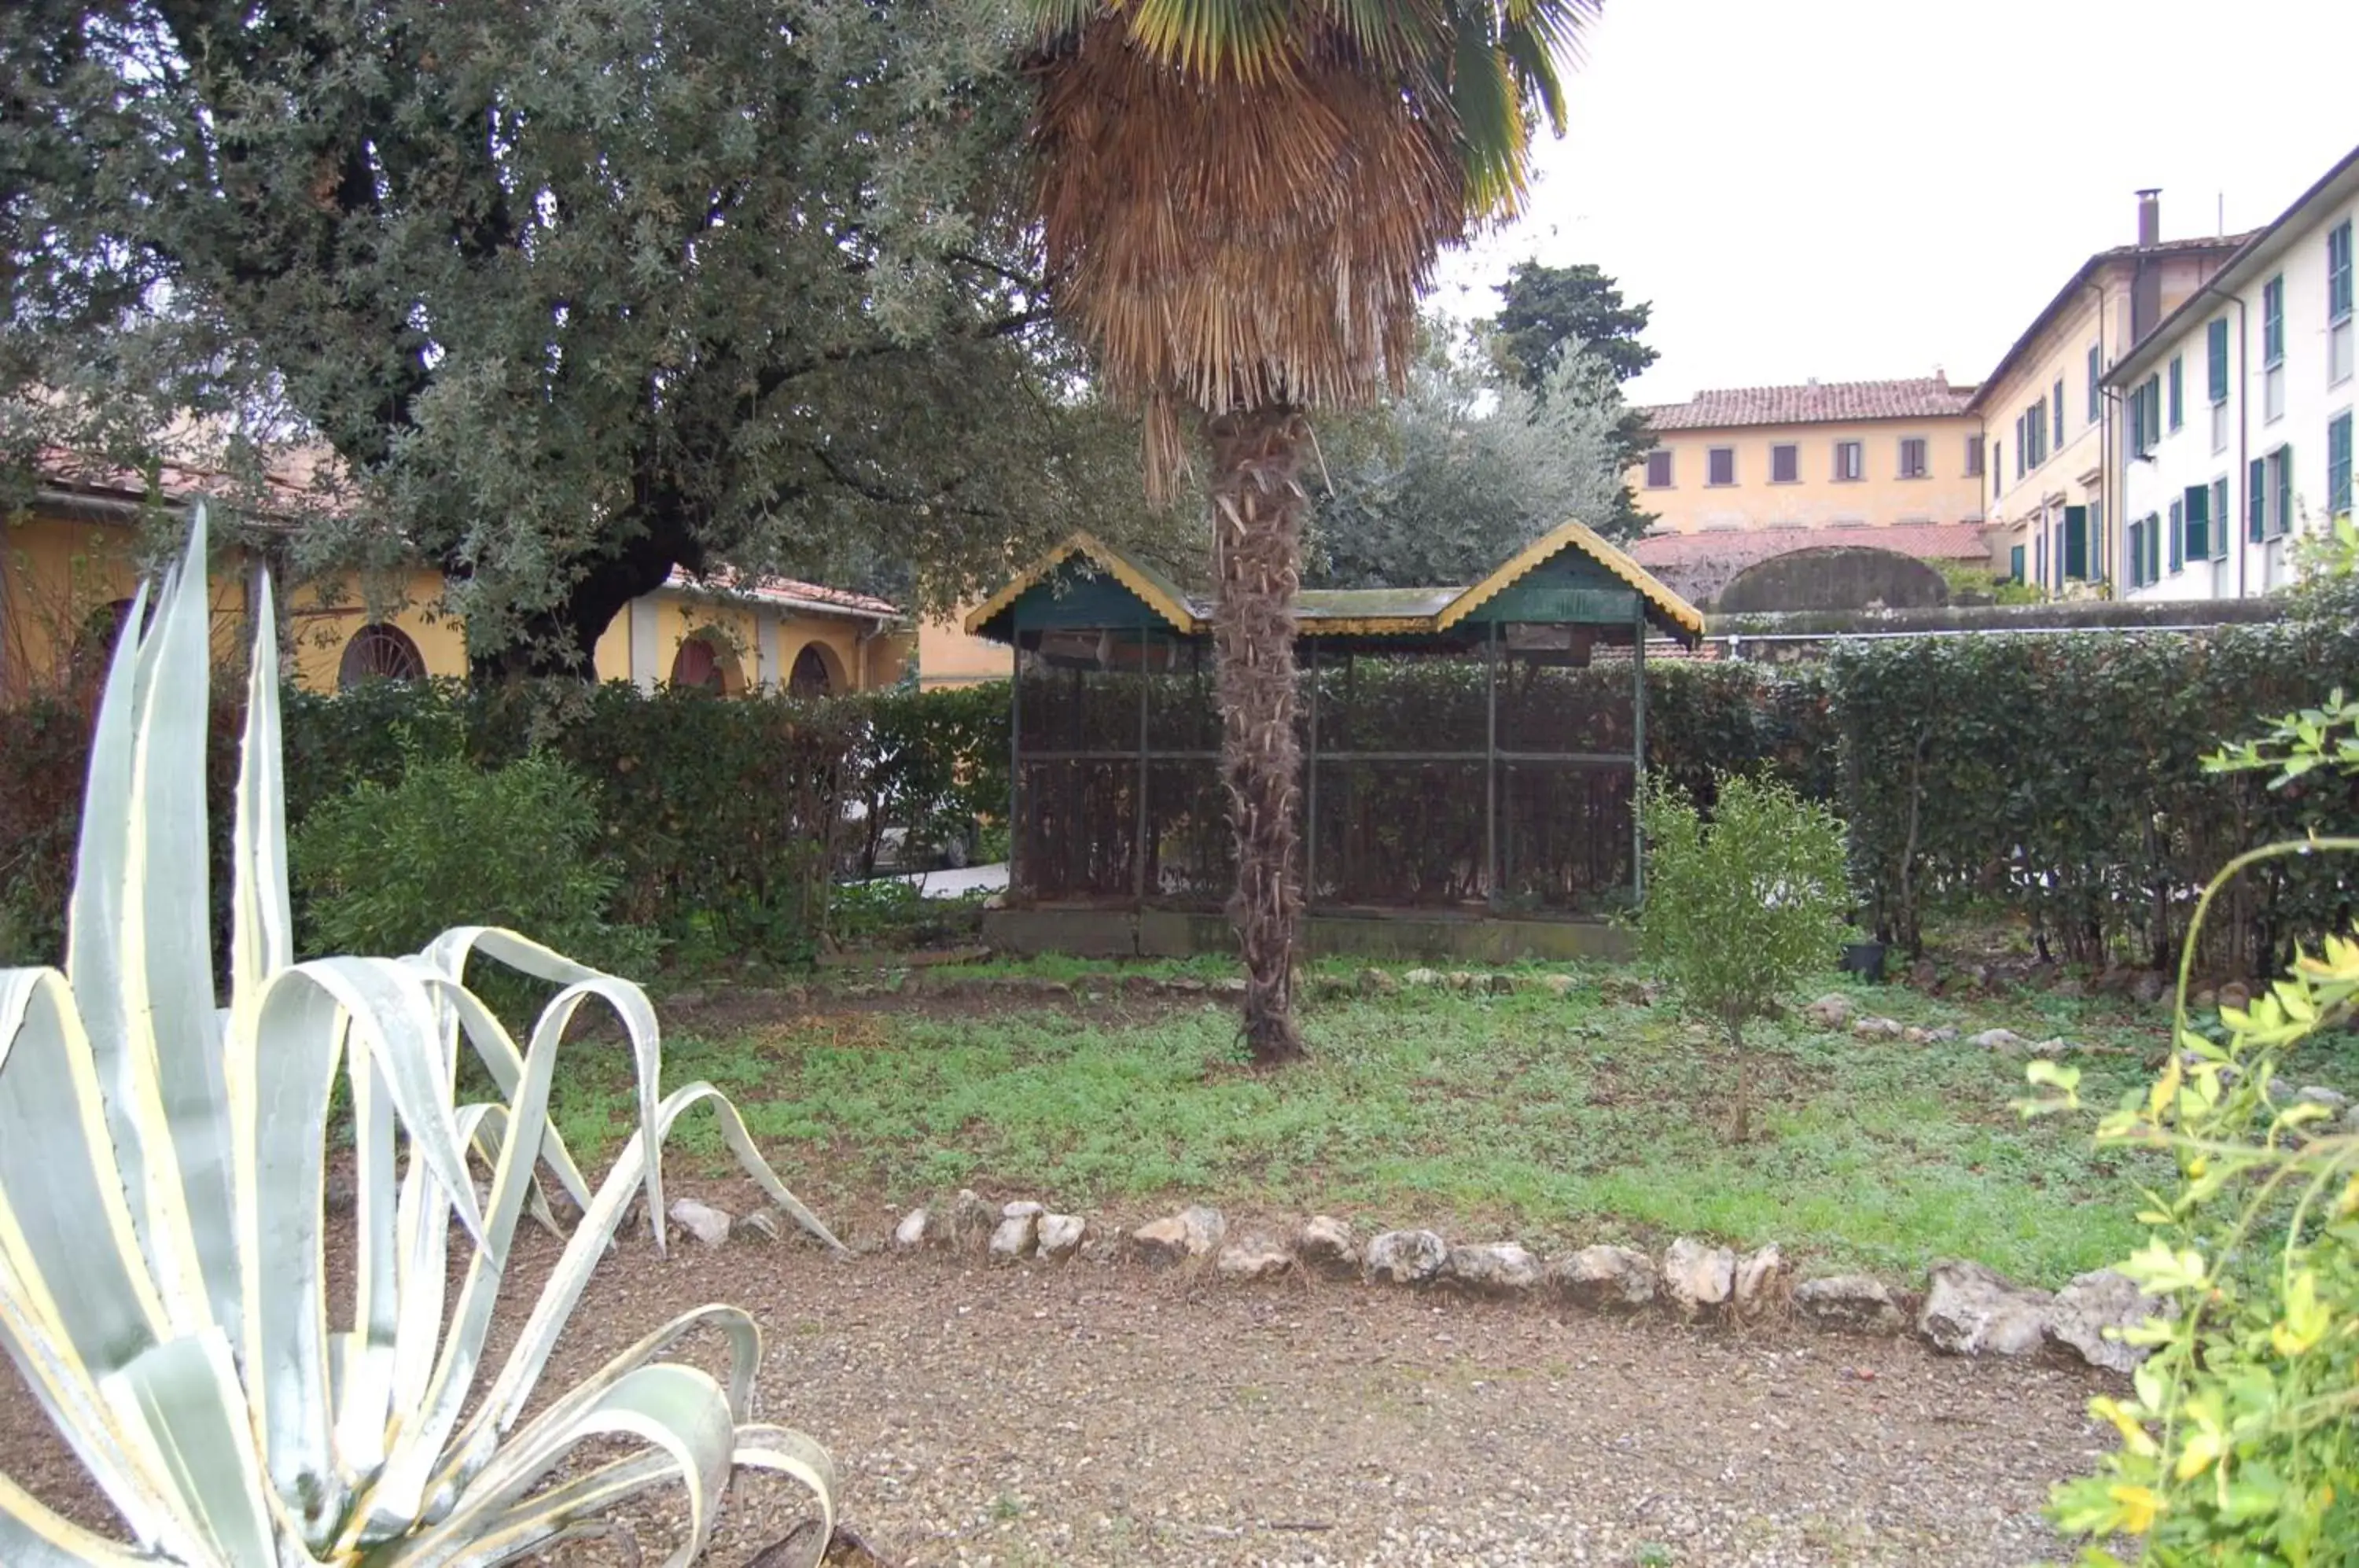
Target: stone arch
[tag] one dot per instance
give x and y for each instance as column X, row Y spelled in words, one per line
column 816, row 671
column 379, row 651
column 1840, row 577
column 705, row 660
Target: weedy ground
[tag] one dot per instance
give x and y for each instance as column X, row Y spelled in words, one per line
column 1552, row 1120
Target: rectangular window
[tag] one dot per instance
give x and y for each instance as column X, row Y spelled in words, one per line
column 1658, row 471
column 2196, row 504
column 1720, row 465
column 2178, row 537
column 2273, row 321
column 1974, row 457
column 2215, row 359
column 1912, row 457
column 2256, row 501
column 2015, row 563
column 2020, row 444
column 2222, row 523
column 2338, row 466
column 2139, row 446
column 2281, row 482
column 2076, row 541
column 2096, row 389
column 2056, row 412
column 2138, row 554
column 2039, row 554
column 2338, row 303
column 2153, row 412
column 2153, row 548
column 1850, row 462
column 2178, row 394
column 1784, row 464
column 2338, row 272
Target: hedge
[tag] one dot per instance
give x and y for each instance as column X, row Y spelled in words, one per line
column 2056, row 779
column 724, row 821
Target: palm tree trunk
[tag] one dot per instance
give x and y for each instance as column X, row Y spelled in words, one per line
column 1258, row 505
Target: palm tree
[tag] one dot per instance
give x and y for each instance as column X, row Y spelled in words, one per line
column 1242, row 201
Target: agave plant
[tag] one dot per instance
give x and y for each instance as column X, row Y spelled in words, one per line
column 163, row 1233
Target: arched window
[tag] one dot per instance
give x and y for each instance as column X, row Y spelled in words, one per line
column 379, row 652
column 808, row 678
column 702, row 662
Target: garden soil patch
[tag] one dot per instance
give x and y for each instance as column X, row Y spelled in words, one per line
column 1100, row 1413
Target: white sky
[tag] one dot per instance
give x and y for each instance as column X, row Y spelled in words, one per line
column 1852, row 190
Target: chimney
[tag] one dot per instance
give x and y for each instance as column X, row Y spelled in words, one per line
column 2145, row 281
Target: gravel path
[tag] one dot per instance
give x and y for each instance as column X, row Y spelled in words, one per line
column 1103, row 1414
column 1100, row 1413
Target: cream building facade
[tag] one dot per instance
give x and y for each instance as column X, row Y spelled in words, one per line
column 2239, row 410
column 2053, row 434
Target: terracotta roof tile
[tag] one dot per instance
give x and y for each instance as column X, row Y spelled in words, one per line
column 786, row 590
column 1928, row 397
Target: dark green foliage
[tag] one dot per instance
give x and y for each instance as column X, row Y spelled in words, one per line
column 1545, row 310
column 576, row 290
column 934, row 763
column 2062, row 776
column 383, row 868
column 1741, row 907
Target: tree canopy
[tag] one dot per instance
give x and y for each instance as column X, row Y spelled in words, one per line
column 1544, row 312
column 1466, row 467
column 576, row 290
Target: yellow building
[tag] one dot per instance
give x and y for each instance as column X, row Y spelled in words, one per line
column 2055, row 437
column 949, row 655
column 68, row 568
column 1820, row 456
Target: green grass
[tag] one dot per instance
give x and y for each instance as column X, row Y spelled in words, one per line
column 1554, row 1120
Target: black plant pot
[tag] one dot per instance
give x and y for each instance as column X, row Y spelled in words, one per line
column 1865, row 959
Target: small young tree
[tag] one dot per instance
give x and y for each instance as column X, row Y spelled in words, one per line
column 1742, row 906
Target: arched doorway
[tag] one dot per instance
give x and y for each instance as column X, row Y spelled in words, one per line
column 379, row 652
column 704, row 663
column 811, row 676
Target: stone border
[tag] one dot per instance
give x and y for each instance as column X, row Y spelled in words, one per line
column 1965, row 1308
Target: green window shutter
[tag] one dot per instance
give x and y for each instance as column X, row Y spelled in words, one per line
column 2338, row 466
column 2177, row 536
column 2273, row 321
column 2338, row 271
column 2256, row 500
column 2284, row 520
column 2223, row 525
column 2056, row 415
column 2015, row 563
column 2215, row 359
column 2178, row 392
column 2199, row 522
column 2097, row 391
column 2076, row 541
column 2136, row 539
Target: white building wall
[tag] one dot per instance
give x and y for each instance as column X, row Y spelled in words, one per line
column 2312, row 397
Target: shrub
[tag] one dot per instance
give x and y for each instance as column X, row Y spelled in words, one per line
column 380, row 867
column 2240, row 1444
column 1741, row 908
column 166, row 1290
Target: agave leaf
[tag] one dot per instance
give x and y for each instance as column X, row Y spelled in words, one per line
column 548, row 1516
column 449, row 953
column 679, row 1409
column 182, row 1400
column 262, row 924
column 33, row 1536
column 562, row 1291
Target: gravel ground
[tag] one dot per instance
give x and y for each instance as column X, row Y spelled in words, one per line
column 1100, row 1413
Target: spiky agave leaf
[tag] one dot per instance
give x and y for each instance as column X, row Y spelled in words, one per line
column 162, row 1197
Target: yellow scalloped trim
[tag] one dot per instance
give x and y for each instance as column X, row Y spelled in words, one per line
column 1111, row 561
column 1550, row 544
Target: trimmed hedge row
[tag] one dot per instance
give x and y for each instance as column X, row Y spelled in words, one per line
column 2054, row 778
column 723, row 821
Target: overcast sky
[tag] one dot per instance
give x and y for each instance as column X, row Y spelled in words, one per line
column 1852, row 190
